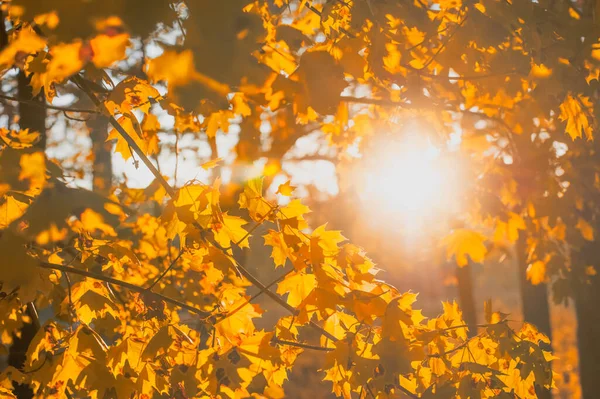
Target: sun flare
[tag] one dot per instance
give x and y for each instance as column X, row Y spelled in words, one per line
column 409, row 180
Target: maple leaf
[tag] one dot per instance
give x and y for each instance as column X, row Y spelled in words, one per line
column 280, row 251
column 298, row 286
column 536, row 272
column 26, row 42
column 177, row 68
column 131, row 93
column 577, row 112
column 286, row 189
column 509, row 229
column 229, row 230
column 130, row 124
column 464, row 242
column 238, row 325
column 108, row 49
column 253, row 200
column 11, row 209
column 19, row 139
column 66, row 61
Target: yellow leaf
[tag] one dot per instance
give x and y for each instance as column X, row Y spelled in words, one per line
column 33, row 167
column 540, row 71
column 253, row 200
column 66, row 61
column 131, row 93
column 92, row 221
column 536, row 272
column 10, row 210
column 216, row 121
column 280, row 250
column 109, row 49
column 577, row 111
column 509, row 230
column 211, row 164
column 176, row 68
column 19, row 139
column 286, row 189
column 132, row 127
column 26, row 42
column 464, row 242
column 298, row 286
column 587, row 231
column 240, row 105
column 230, row 230
column 239, row 324
column 150, row 129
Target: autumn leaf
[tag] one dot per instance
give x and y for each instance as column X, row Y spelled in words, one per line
column 577, row 111
column 108, row 49
column 175, row 68
column 463, row 243
column 298, row 287
column 213, row 163
column 286, row 189
column 26, row 42
column 587, row 231
column 536, row 272
column 133, row 129
column 131, row 94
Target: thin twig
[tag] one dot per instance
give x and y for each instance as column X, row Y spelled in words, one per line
column 302, row 345
column 164, row 273
column 253, row 297
column 49, row 106
column 124, row 284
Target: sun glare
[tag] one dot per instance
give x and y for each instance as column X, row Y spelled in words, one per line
column 409, row 182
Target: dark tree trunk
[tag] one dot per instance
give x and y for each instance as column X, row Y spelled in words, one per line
column 466, row 297
column 32, row 116
column 586, row 292
column 102, row 152
column 17, row 354
column 587, row 308
column 535, row 305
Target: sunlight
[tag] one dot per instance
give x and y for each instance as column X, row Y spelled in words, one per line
column 409, row 182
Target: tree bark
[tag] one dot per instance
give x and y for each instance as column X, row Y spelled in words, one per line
column 587, row 305
column 102, row 164
column 534, row 303
column 32, row 117
column 466, row 297
column 586, row 292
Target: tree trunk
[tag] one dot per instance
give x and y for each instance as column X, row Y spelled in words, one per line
column 33, row 117
column 535, row 306
column 466, row 297
column 586, row 292
column 587, row 305
column 101, row 150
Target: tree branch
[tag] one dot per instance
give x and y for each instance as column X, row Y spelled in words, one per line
column 79, row 81
column 124, row 284
column 48, row 106
column 82, row 83
column 301, row 345
column 164, row 273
